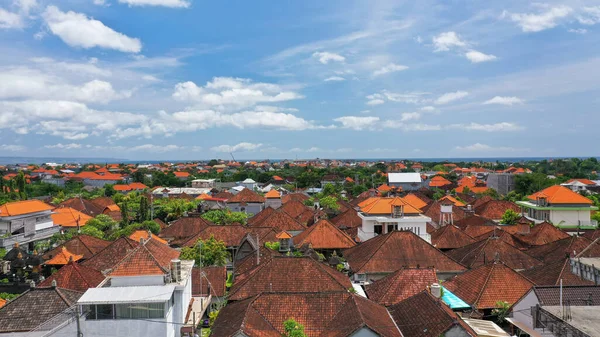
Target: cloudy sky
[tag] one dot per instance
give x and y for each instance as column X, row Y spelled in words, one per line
column 195, row 79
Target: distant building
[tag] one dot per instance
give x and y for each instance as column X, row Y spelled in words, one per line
column 204, row 183
column 580, row 185
column 249, row 184
column 25, row 222
column 503, row 183
column 407, row 181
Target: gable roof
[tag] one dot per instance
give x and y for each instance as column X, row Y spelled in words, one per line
column 262, row 215
column 246, row 196
column 324, row 235
column 400, row 285
column 453, row 200
column 473, row 220
column 69, row 217
column 575, row 295
column 23, row 207
column 553, row 272
column 82, row 244
column 207, row 279
column 484, row 252
column 150, row 258
column 415, row 200
column 560, row 195
column 144, row 234
column 423, row 315
column 384, row 205
column 289, row 274
column 571, row 246
column 542, row 234
column 108, row 257
column 335, row 314
column 249, row 262
column 348, row 219
column 300, row 197
column 450, row 237
column 394, row 250
column 85, row 206
column 63, row 257
column 483, row 286
column 75, row 277
column 184, row 228
column 34, row 307
column 273, row 194
column 494, row 209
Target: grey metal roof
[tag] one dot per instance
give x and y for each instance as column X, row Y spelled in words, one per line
column 137, row 294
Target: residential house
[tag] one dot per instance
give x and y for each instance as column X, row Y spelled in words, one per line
column 249, row 183
column 324, row 237
column 183, row 229
column 204, row 183
column 440, row 182
column 573, row 246
column 495, row 209
column 555, row 273
column 273, row 199
column 246, row 201
column 84, row 245
column 306, row 215
column 74, row 276
column 383, row 215
column 450, row 237
column 400, row 285
column 560, row 206
column 25, row 222
column 210, row 282
column 280, row 221
column 406, row 181
column 385, row 254
column 107, row 258
column 130, row 187
column 332, row 179
column 540, row 312
column 580, row 185
column 68, row 217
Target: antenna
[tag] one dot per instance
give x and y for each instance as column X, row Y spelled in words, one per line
column 232, row 157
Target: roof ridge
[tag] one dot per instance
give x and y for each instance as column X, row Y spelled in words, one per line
column 251, row 306
column 487, row 279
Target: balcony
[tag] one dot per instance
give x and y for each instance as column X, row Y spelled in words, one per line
column 24, row 238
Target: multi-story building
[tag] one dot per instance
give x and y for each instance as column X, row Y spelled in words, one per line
column 559, row 206
column 25, row 222
column 410, row 181
column 384, row 215
column 503, row 183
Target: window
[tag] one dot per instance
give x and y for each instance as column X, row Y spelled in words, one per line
column 125, row 311
column 378, row 229
column 99, row 311
column 391, row 227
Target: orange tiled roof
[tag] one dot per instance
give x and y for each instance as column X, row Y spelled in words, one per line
column 439, row 181
column 23, row 207
column 324, row 235
column 137, row 235
column 273, row 194
column 69, row 217
column 2, row 302
column 74, row 276
column 415, row 201
column 181, row 174
column 63, row 257
column 384, row 188
column 453, row 200
column 385, row 206
column 560, row 195
column 583, row 181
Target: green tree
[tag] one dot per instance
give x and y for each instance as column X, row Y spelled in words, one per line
column 103, row 222
column 501, row 311
column 329, row 203
column 510, row 217
column 206, row 253
column 109, row 190
column 225, row 217
column 358, row 189
column 143, row 214
column 20, row 181
column 124, row 213
column 293, row 328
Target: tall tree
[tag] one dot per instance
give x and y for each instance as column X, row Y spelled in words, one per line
column 143, row 214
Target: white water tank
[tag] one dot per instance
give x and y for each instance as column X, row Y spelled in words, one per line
column 436, row 290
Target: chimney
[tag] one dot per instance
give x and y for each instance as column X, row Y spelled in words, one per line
column 176, row 270
column 32, row 285
column 53, row 283
column 436, row 290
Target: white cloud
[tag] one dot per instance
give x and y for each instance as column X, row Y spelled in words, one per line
column 244, row 146
column 406, row 97
column 10, row 20
column 390, row 68
column 12, row 148
column 62, row 146
column 477, row 57
column 428, row 108
column 375, row 99
column 478, row 147
column 164, row 3
column 497, row 127
column 232, row 92
column 541, row 21
column 590, row 16
column 580, row 31
column 504, row 100
column 100, row 2
column 326, row 57
column 334, row 79
column 357, row 122
column 155, row 148
column 409, row 116
column 411, row 126
column 77, row 30
column 451, row 97
column 26, row 6
column 447, row 40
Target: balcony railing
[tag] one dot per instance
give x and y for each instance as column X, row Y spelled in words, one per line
column 29, row 237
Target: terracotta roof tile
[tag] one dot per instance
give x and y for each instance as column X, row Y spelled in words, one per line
column 184, row 228
column 400, row 285
column 423, row 315
column 223, row 195
column 571, row 246
column 450, row 237
column 324, row 235
column 560, row 195
column 151, row 258
column 482, row 287
column 249, row 262
column 75, row 277
column 23, row 207
column 246, row 196
column 504, row 235
column 63, row 257
column 541, row 234
column 214, row 276
column 434, row 209
column 382, row 205
column 439, row 181
column 231, row 235
column 381, row 254
column 347, row 219
column 84, row 245
column 300, row 197
column 273, row 194
column 281, row 221
column 108, row 257
column 473, row 220
column 69, row 217
column 494, row 209
column 553, row 272
column 484, row 252
column 143, row 234
column 415, row 200
column 289, row 274
column 262, row 215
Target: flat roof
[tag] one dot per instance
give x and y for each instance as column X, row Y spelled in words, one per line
column 485, row 328
column 583, row 318
column 404, row 177
column 137, row 294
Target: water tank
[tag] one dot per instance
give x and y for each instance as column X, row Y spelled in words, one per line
column 176, row 270
column 436, row 290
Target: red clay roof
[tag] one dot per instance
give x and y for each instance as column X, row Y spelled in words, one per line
column 23, row 207
column 289, row 274
column 76, row 277
column 151, row 258
column 214, row 276
column 494, row 209
column 450, row 237
column 281, row 221
column 553, row 272
column 69, row 217
column 382, row 205
column 324, row 235
column 231, row 235
column 262, row 215
column 484, row 252
column 423, row 315
column 439, row 181
column 571, row 246
column 560, row 195
column 400, row 285
column 184, row 228
column 108, row 257
column 300, row 197
column 246, row 196
column 273, row 194
column 347, row 219
column 143, row 234
column 63, row 257
column 390, row 252
column 473, row 220
column 482, row 287
column 541, row 234
column 434, row 209
column 84, row 245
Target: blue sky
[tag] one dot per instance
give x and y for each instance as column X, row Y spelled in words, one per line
column 192, row 79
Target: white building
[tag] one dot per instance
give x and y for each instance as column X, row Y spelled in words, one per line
column 383, row 215
column 409, row 181
column 25, row 222
column 204, row 183
column 580, row 185
column 249, row 184
column 560, row 206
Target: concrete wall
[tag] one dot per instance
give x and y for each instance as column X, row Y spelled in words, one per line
column 249, row 208
column 132, row 281
column 273, row 203
column 522, row 312
column 417, row 225
column 569, row 217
